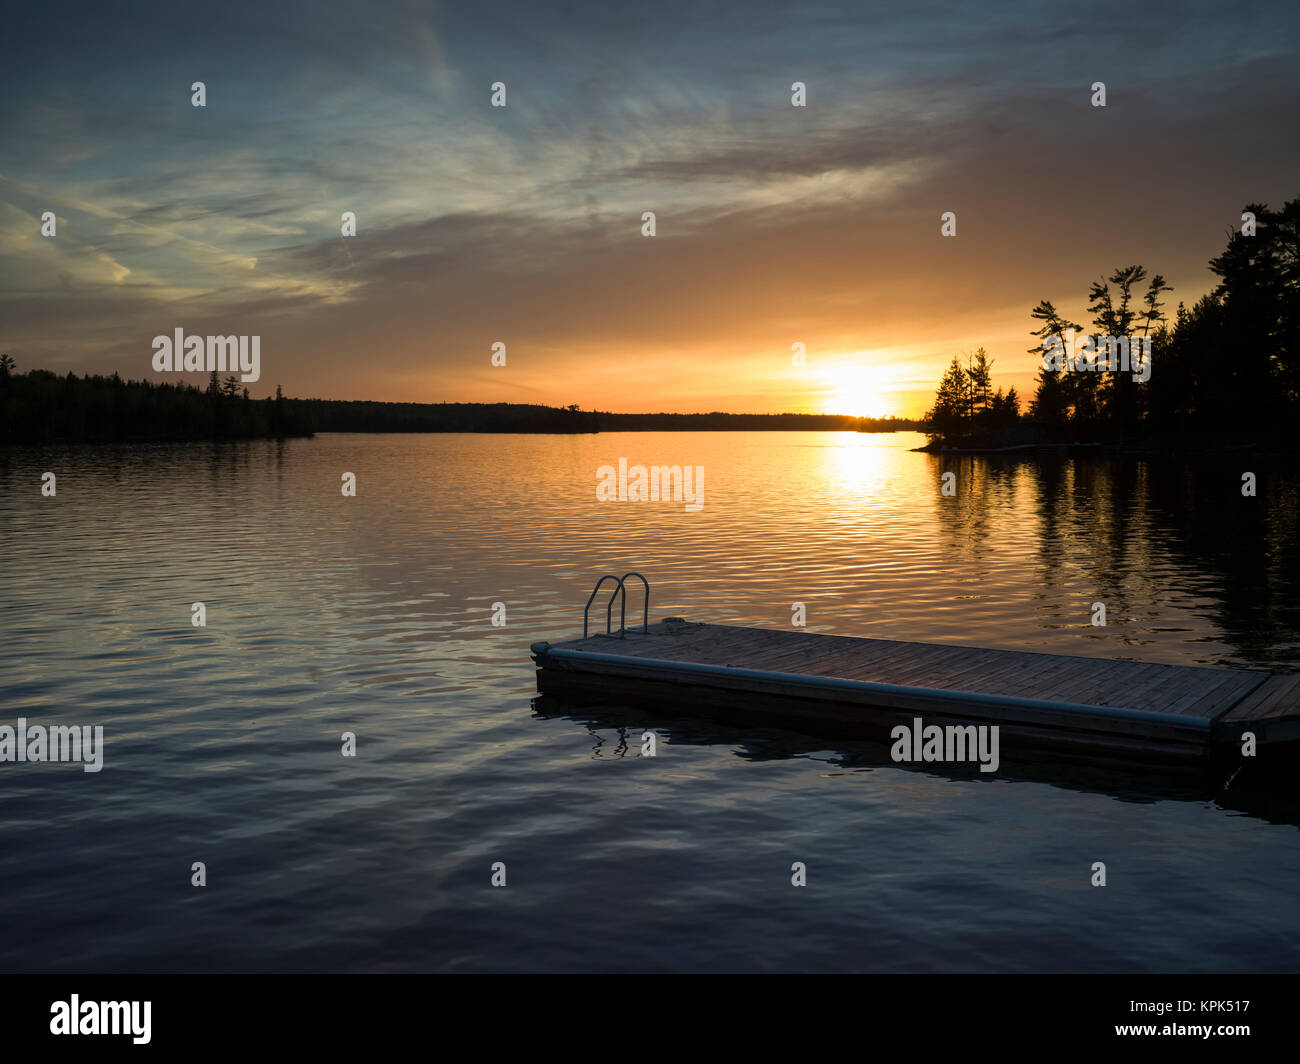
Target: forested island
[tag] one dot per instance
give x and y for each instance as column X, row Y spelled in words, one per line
column 43, row 407
column 1225, row 372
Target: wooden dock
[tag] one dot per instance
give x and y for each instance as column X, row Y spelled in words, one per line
column 866, row 687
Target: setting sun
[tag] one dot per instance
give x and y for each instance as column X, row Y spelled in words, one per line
column 857, row 392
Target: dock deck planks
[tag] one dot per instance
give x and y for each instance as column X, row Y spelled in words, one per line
column 1277, row 697
column 1177, row 708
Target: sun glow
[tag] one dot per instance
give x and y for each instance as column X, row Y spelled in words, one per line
column 857, row 392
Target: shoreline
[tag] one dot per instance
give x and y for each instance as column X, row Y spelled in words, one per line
column 1260, row 449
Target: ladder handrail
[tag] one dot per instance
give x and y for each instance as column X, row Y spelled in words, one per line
column 609, row 610
column 619, row 592
column 645, row 606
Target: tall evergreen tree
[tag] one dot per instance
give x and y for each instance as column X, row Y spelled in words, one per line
column 1117, row 317
column 951, row 410
column 979, row 377
column 1053, row 399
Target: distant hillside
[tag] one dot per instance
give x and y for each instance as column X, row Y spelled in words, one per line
column 333, row 415
column 348, row 415
column 752, row 423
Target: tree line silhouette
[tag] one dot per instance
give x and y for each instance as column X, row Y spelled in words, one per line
column 40, row 406
column 1225, row 370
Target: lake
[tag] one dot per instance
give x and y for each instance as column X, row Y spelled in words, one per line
column 373, row 615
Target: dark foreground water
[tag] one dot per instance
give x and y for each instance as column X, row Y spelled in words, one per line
column 373, row 615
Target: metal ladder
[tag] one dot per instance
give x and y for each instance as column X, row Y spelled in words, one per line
column 620, row 593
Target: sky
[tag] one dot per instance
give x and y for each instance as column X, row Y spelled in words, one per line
column 775, row 225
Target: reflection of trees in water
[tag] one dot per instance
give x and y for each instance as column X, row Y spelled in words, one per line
column 967, row 519
column 1122, row 528
column 1089, row 517
column 1095, row 526
column 1248, row 549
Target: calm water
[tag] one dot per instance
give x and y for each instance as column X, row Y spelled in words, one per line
column 372, row 614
